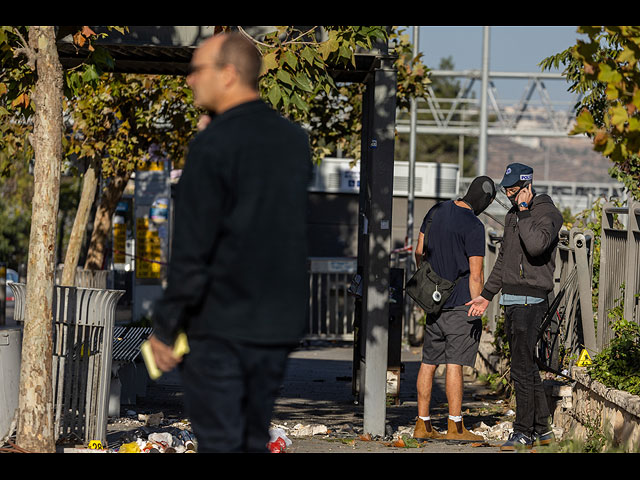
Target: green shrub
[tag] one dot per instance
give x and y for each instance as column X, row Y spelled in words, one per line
column 618, row 365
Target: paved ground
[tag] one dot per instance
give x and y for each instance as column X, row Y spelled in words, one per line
column 317, row 412
column 318, row 392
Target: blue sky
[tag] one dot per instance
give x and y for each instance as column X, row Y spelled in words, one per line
column 512, row 49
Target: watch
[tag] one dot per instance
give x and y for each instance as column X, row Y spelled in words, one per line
column 523, row 204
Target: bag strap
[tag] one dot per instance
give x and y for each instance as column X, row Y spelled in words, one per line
column 427, row 228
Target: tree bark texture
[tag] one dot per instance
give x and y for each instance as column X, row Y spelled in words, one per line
column 88, row 195
column 35, row 430
column 109, row 199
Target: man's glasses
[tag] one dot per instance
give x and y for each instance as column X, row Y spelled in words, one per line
column 191, row 69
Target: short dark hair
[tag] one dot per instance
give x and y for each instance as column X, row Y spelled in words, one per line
column 239, row 51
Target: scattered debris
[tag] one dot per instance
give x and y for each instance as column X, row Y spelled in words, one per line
column 151, row 420
column 497, row 432
column 278, row 441
column 406, row 441
column 300, row 430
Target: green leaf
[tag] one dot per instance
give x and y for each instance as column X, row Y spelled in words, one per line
column 628, row 55
column 290, row 59
column 609, row 147
column 634, row 124
column 619, row 117
column 329, row 46
column 274, row 95
column 284, row 77
column 308, row 54
column 269, row 62
column 90, row 74
column 298, row 102
column 636, row 98
column 303, row 82
column 612, row 92
column 608, row 74
column 584, row 123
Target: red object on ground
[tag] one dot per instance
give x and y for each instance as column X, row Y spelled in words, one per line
column 277, row 446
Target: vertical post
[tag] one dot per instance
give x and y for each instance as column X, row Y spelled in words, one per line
column 579, row 244
column 482, row 149
column 3, row 294
column 376, row 191
column 632, row 278
column 408, row 303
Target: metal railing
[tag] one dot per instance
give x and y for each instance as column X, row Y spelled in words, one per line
column 88, row 278
column 572, row 327
column 331, row 309
column 619, row 266
column 82, row 331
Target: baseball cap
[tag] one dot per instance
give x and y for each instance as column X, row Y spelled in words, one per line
column 517, row 174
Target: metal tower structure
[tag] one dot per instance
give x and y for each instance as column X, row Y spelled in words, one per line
column 462, row 115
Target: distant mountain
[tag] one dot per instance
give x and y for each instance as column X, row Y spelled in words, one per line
column 559, row 159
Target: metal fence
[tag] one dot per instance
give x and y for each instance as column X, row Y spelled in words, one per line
column 331, row 309
column 83, row 323
column 619, row 266
column 572, row 325
column 88, row 278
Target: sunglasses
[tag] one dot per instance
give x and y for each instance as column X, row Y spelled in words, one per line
column 191, row 69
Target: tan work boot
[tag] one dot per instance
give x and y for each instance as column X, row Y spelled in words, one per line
column 424, row 431
column 457, row 431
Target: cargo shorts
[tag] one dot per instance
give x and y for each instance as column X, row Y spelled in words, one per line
column 452, row 337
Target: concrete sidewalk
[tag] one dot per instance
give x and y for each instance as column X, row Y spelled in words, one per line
column 318, row 412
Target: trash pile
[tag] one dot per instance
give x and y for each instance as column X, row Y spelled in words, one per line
column 180, row 441
column 143, row 441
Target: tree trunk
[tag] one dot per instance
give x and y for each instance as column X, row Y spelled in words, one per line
column 89, row 187
column 35, row 407
column 111, row 195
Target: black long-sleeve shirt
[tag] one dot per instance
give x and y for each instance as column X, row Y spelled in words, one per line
column 238, row 267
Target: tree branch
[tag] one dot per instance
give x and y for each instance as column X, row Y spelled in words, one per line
column 288, row 42
column 25, row 50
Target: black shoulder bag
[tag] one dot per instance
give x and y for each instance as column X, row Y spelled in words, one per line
column 428, row 289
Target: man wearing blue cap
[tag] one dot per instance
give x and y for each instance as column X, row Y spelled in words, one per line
column 524, row 273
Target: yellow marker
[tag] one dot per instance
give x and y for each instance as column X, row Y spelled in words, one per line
column 584, row 359
column 180, row 348
column 95, row 445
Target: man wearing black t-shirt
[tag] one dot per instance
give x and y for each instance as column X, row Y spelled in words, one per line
column 455, row 248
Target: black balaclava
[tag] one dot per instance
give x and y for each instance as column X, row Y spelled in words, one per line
column 480, row 194
column 512, row 198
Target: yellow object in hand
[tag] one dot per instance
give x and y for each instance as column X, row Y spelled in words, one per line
column 180, row 348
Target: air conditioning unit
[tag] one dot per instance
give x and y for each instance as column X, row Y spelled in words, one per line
column 432, row 180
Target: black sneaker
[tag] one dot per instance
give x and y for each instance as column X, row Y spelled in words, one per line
column 517, row 440
column 543, row 438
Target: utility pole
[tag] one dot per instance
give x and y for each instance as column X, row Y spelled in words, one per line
column 408, row 303
column 374, row 242
column 482, row 150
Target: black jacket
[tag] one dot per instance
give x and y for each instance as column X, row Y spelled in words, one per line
column 526, row 262
column 238, row 267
